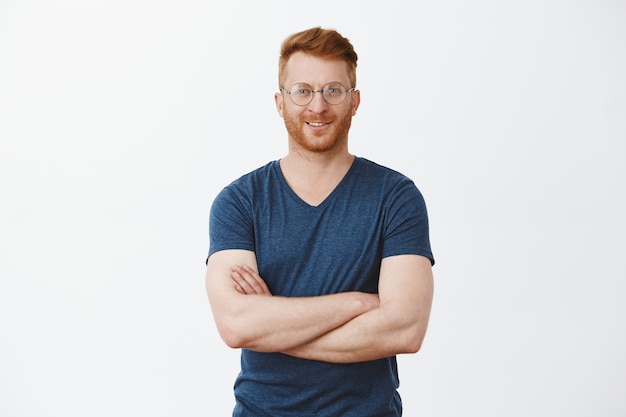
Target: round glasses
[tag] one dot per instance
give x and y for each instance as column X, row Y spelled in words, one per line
column 302, row 94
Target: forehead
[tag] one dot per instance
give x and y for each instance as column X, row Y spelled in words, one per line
column 314, row 70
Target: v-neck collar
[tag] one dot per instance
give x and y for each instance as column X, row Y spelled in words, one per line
column 328, row 198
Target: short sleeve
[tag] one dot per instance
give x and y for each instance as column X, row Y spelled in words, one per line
column 406, row 224
column 230, row 222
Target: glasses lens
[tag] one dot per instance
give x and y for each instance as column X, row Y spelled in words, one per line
column 334, row 93
column 301, row 94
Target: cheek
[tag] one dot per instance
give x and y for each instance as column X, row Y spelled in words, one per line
column 291, row 114
column 291, row 120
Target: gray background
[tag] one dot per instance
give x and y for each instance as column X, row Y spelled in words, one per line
column 121, row 120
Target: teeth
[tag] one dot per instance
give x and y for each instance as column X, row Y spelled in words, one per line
column 316, row 124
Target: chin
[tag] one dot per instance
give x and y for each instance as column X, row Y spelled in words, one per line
column 319, row 146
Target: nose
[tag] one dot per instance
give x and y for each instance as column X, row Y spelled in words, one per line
column 318, row 104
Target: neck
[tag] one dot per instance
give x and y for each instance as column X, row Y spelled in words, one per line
column 314, row 176
column 316, row 165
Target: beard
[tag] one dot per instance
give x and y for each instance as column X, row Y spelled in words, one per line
column 314, row 141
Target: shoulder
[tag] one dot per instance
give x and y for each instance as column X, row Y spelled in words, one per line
column 260, row 174
column 382, row 176
column 252, row 181
column 242, row 191
column 369, row 167
column 393, row 190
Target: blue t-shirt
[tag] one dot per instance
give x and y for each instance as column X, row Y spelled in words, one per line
column 305, row 250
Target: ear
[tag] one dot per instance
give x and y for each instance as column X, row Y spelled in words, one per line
column 278, row 99
column 356, row 100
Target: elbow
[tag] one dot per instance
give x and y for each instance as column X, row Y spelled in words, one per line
column 230, row 322
column 412, row 339
column 231, row 334
column 231, row 339
column 235, row 338
column 414, row 345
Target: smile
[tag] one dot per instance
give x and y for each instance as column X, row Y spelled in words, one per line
column 317, row 124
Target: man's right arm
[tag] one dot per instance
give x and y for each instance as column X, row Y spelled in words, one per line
column 267, row 323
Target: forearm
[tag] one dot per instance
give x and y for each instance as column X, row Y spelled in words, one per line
column 344, row 327
column 397, row 326
column 248, row 316
column 274, row 324
column 373, row 335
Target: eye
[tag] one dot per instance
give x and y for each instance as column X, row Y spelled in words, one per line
column 333, row 89
column 301, row 90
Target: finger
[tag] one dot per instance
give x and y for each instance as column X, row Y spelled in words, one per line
column 258, row 284
column 254, row 281
column 250, row 281
column 241, row 284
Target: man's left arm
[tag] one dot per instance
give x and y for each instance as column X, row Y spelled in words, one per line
column 397, row 326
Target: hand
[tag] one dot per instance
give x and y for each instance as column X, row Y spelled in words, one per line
column 248, row 281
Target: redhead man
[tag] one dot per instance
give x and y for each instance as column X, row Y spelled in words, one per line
column 319, row 266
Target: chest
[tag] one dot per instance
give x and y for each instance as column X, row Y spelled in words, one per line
column 316, row 250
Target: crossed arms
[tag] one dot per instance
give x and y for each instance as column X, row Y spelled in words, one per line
column 343, row 327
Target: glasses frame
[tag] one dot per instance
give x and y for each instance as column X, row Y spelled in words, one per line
column 347, row 90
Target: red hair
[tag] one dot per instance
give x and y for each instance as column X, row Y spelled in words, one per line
column 324, row 43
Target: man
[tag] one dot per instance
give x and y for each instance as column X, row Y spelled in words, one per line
column 319, row 265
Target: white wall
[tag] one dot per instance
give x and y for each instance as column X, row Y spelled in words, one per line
column 121, row 120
